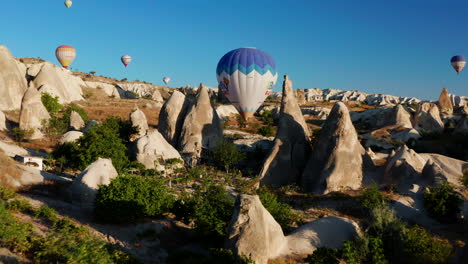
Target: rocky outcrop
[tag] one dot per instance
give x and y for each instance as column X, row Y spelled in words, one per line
column 253, row 232
column 373, row 118
column 433, row 174
column 76, row 122
column 12, row 82
column 336, row 162
column 33, row 113
column 2, row 121
column 153, row 149
column 428, row 118
column 108, row 88
column 86, row 184
column 138, row 119
column 462, row 126
column 59, row 82
column 300, row 96
column 202, row 127
column 451, row 169
column 445, row 104
column 287, row 159
column 70, row 136
column 403, row 169
column 226, row 111
column 172, row 117
column 156, row 96
column 400, row 117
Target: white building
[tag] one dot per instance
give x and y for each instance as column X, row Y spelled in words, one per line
column 32, row 161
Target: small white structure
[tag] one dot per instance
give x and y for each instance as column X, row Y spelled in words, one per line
column 32, row 161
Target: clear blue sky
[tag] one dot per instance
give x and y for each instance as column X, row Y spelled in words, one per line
column 399, row 47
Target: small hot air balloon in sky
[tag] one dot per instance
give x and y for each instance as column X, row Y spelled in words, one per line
column 65, row 55
column 246, row 76
column 166, row 80
column 458, row 63
column 126, row 60
column 68, row 3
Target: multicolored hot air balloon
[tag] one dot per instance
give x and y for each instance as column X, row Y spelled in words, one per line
column 246, row 76
column 126, row 60
column 166, row 80
column 68, row 3
column 65, row 55
column 458, row 63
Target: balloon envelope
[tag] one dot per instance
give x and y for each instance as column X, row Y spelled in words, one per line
column 458, row 63
column 65, row 55
column 126, row 60
column 166, row 80
column 246, row 76
column 68, row 3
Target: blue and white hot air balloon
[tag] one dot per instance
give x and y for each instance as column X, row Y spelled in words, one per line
column 458, row 63
column 246, row 76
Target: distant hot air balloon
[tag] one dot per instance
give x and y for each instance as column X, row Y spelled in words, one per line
column 68, row 3
column 166, row 80
column 65, row 55
column 246, row 76
column 458, row 63
column 126, row 60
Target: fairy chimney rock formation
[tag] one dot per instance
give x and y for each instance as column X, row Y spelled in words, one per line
column 171, row 117
column 138, row 119
column 445, row 104
column 33, row 113
column 12, row 83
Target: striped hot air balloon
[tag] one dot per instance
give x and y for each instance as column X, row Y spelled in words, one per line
column 126, row 60
column 458, row 63
column 68, row 3
column 246, row 76
column 65, row 55
column 166, row 80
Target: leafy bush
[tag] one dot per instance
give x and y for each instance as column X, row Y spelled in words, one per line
column 323, row 255
column 128, row 198
column 420, row 247
column 46, row 212
column 212, row 212
column 21, row 135
column 266, row 131
column 79, row 110
column 267, row 117
column 54, row 126
column 465, row 179
column 282, row 212
column 19, row 205
column 350, row 253
column 376, row 249
column 372, row 198
column 51, row 103
column 13, row 234
column 442, row 202
column 226, row 154
column 7, row 193
column 215, row 256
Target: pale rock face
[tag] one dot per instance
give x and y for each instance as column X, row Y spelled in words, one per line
column 108, row 88
column 428, row 118
column 450, row 170
column 33, row 113
column 445, row 104
column 76, row 122
column 2, row 121
column 153, row 148
column 288, row 158
column 156, row 95
column 86, row 184
column 300, row 97
column 433, row 174
column 400, row 117
column 406, row 135
column 59, row 82
column 372, row 119
column 336, row 162
column 138, row 119
column 226, row 111
column 141, row 89
column 404, row 168
column 12, row 150
column 12, row 81
column 70, row 136
column 201, row 127
column 253, row 232
column 172, row 117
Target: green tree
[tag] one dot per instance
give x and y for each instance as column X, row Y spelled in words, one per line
column 226, row 154
column 51, row 103
column 442, row 202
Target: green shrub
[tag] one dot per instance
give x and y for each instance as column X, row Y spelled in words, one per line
column 350, row 253
column 79, row 110
column 267, row 117
column 266, row 131
column 442, row 202
column 21, row 135
column 372, row 198
column 282, row 212
column 226, row 154
column 46, row 212
column 7, row 193
column 212, row 212
column 128, row 198
column 54, row 126
column 215, row 256
column 376, row 251
column 51, row 103
column 323, row 255
column 19, row 205
column 420, row 247
column 465, row 179
column 13, row 234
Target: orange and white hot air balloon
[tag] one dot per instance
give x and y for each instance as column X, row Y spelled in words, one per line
column 65, row 55
column 126, row 60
